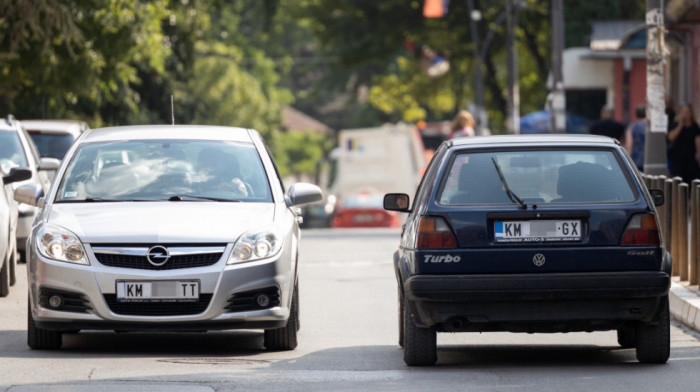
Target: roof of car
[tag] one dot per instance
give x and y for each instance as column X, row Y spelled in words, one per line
column 191, row 132
column 541, row 139
column 73, row 127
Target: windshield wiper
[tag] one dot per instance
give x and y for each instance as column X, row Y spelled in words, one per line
column 98, row 199
column 183, row 197
column 511, row 195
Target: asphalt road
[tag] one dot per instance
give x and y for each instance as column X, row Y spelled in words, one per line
column 348, row 341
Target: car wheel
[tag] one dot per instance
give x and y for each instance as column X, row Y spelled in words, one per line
column 5, row 279
column 400, row 318
column 41, row 339
column 419, row 344
column 285, row 338
column 627, row 337
column 654, row 340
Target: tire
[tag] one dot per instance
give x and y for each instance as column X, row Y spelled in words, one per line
column 5, row 279
column 627, row 337
column 285, row 338
column 13, row 268
column 400, row 318
column 654, row 341
column 41, row 339
column 419, row 344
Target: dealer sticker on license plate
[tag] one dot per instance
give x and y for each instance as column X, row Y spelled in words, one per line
column 158, row 291
column 537, row 231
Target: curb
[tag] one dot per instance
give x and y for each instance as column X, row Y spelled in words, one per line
column 685, row 305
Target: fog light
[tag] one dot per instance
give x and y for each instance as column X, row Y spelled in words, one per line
column 262, row 300
column 56, row 301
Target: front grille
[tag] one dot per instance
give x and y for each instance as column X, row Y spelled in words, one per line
column 158, row 308
column 175, row 262
column 243, row 301
column 134, row 256
column 72, row 302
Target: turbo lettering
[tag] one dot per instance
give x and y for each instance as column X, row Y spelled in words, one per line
column 442, row 259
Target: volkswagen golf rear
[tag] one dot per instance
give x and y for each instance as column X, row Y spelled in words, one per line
column 532, row 234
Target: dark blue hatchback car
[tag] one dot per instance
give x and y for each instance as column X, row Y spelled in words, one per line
column 540, row 233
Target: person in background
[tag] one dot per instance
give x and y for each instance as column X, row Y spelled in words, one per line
column 606, row 126
column 462, row 125
column 634, row 138
column 684, row 145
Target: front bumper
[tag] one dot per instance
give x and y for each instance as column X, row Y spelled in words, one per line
column 579, row 300
column 96, row 284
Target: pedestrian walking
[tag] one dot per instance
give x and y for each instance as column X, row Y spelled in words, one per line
column 684, row 145
column 607, row 126
column 634, row 137
column 462, row 125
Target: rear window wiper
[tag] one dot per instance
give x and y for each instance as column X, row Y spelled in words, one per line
column 184, row 197
column 511, row 195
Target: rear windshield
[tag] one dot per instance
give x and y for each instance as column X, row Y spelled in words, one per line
column 52, row 145
column 536, row 177
column 143, row 170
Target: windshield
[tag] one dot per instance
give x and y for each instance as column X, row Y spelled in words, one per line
column 536, row 177
column 52, row 145
column 11, row 151
column 176, row 170
column 363, row 201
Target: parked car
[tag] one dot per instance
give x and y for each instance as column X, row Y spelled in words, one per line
column 539, row 233
column 165, row 228
column 17, row 150
column 8, row 228
column 363, row 209
column 53, row 138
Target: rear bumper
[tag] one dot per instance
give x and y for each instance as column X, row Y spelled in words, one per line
column 582, row 301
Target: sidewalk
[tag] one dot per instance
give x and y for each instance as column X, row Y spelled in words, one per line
column 685, row 304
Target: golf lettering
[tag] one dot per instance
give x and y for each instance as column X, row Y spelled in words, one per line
column 441, row 259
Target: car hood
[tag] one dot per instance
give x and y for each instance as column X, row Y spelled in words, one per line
column 161, row 222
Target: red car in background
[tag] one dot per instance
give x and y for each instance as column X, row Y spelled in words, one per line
column 363, row 210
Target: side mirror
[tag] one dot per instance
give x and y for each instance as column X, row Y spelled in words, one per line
column 303, row 193
column 32, row 194
column 49, row 164
column 396, row 202
column 17, row 174
column 658, row 197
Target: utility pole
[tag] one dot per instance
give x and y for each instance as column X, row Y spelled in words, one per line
column 558, row 94
column 513, row 111
column 656, row 119
column 475, row 16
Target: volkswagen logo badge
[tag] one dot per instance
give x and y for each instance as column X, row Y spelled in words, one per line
column 538, row 259
column 158, row 255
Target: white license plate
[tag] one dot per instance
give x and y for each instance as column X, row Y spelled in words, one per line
column 537, row 230
column 158, row 291
column 363, row 218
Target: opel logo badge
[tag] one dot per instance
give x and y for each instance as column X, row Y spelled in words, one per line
column 538, row 259
column 158, row 255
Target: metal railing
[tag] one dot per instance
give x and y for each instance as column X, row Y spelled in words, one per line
column 679, row 217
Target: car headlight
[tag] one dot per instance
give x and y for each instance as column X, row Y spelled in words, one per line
column 57, row 243
column 256, row 245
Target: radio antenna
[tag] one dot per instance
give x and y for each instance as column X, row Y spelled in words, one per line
column 172, row 108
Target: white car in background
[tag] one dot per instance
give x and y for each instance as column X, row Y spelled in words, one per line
column 53, row 138
column 175, row 228
column 17, row 150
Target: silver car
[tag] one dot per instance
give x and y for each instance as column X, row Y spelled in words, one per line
column 177, row 228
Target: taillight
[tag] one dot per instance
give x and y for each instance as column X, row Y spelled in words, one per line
column 641, row 230
column 434, row 233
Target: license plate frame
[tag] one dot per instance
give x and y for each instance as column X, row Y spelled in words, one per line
column 540, row 230
column 181, row 290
